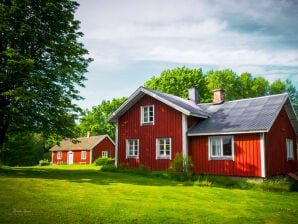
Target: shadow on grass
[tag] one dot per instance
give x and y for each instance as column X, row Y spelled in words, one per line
column 79, row 175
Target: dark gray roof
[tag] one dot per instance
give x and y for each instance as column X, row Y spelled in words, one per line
column 183, row 105
column 243, row 116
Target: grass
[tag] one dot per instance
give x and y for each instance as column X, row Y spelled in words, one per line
column 84, row 194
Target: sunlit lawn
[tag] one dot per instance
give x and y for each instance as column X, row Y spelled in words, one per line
column 84, row 194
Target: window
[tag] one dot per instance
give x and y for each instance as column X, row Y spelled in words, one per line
column 290, row 152
column 221, row 147
column 147, row 114
column 104, row 154
column 132, row 148
column 163, row 148
column 83, row 155
column 59, row 155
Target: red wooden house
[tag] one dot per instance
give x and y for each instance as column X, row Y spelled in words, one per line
column 85, row 151
column 250, row 137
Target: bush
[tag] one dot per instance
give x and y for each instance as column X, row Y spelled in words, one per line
column 44, row 162
column 104, row 161
column 181, row 167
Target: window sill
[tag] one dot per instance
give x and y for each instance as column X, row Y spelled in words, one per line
column 163, row 157
column 132, row 157
column 221, row 158
column 146, row 124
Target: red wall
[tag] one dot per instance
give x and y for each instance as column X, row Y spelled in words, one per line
column 246, row 157
column 167, row 123
column 76, row 157
column 275, row 144
column 105, row 145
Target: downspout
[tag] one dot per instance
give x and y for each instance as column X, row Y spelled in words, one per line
column 263, row 160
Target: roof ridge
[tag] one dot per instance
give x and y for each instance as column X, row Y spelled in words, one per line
column 251, row 98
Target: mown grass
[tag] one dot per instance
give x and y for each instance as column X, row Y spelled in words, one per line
column 84, row 194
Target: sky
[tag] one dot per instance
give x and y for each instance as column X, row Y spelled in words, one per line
column 131, row 41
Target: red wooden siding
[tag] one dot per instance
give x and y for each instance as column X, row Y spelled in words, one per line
column 246, row 157
column 167, row 124
column 76, row 157
column 60, row 161
column 105, row 145
column 275, row 145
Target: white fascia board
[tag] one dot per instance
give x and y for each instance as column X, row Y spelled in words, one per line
column 174, row 106
column 227, row 133
column 182, row 110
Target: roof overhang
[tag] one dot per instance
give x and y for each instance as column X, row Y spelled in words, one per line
column 226, row 133
column 137, row 95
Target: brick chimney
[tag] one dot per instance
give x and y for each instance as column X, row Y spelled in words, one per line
column 218, row 96
column 89, row 134
column 193, row 95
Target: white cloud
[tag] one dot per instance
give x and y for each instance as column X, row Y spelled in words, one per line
column 240, row 35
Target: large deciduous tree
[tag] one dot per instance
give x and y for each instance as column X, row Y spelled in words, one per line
column 177, row 82
column 41, row 64
column 94, row 120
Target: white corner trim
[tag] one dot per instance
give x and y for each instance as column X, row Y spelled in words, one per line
column 263, row 160
column 116, row 144
column 184, row 135
column 91, row 152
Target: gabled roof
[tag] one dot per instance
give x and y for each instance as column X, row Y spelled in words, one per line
column 83, row 143
column 244, row 116
column 184, row 106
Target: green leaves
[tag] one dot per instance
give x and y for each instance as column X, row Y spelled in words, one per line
column 95, row 120
column 178, row 80
column 41, row 64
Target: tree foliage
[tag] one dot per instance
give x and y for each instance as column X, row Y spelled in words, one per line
column 177, row 82
column 41, row 64
column 95, row 120
column 22, row 149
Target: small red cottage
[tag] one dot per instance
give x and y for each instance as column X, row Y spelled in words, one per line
column 86, row 151
column 250, row 137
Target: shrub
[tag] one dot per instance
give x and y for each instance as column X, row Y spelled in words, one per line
column 104, row 161
column 181, row 167
column 44, row 162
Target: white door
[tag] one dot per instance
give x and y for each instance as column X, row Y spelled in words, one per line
column 69, row 158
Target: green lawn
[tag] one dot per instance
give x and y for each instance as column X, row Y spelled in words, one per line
column 84, row 194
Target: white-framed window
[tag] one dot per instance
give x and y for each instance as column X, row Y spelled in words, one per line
column 59, row 155
column 132, row 148
column 163, row 148
column 104, row 154
column 147, row 114
column 221, row 147
column 290, row 152
column 83, row 155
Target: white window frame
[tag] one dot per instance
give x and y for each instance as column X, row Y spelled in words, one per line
column 59, row 155
column 104, row 154
column 220, row 155
column 83, row 155
column 132, row 150
column 163, row 155
column 290, row 149
column 149, row 119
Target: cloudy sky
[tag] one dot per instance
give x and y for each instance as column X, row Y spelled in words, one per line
column 133, row 40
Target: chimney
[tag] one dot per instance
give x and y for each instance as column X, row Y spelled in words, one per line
column 218, row 96
column 89, row 134
column 193, row 95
